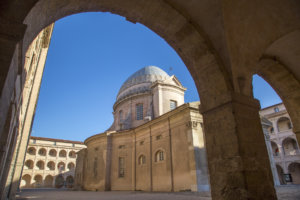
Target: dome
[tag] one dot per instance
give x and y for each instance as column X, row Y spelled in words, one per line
column 148, row 75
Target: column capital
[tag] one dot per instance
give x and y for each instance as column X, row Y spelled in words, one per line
column 228, row 98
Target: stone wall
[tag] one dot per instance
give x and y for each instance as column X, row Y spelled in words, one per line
column 177, row 134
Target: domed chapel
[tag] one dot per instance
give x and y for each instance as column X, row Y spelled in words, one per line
column 155, row 143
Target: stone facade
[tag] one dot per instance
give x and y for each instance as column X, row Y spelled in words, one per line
column 160, row 148
column 50, row 163
column 15, row 136
column 164, row 154
column 284, row 145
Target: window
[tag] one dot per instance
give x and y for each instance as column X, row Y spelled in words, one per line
column 142, row 160
column 276, row 109
column 121, row 167
column 173, row 104
column 122, row 146
column 141, row 142
column 159, row 156
column 158, row 137
column 34, row 141
column 289, row 124
column 139, row 111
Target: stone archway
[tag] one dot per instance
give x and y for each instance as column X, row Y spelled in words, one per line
column 280, row 174
column 25, row 181
column 38, row 181
column 69, row 181
column 59, row 181
column 48, row 181
column 286, row 86
column 294, row 170
column 228, row 141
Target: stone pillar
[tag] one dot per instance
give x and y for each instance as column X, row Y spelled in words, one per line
column 238, row 161
column 265, row 127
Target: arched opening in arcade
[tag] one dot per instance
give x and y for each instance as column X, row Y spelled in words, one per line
column 52, row 153
column 25, row 181
column 28, row 164
column 38, row 181
column 208, row 72
column 280, row 139
column 48, row 181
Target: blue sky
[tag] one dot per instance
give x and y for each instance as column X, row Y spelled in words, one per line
column 90, row 56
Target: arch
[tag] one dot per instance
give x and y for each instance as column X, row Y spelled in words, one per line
column 59, row 181
column 286, row 86
column 48, row 181
column 51, row 165
column 28, row 164
column 72, row 154
column 142, row 159
column 25, row 181
column 271, row 130
column 61, row 166
column 38, row 181
column 280, row 174
column 52, row 153
column 71, row 166
column 62, row 153
column 275, row 149
column 290, row 146
column 284, row 124
column 40, row 165
column 294, row 170
column 69, row 181
column 42, row 152
column 31, row 151
column 159, row 156
column 187, row 39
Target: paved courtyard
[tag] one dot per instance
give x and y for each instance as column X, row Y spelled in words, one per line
column 284, row 193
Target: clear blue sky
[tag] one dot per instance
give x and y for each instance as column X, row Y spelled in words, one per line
column 90, row 56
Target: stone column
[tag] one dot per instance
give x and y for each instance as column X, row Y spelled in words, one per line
column 238, row 161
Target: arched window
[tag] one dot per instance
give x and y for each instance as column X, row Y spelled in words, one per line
column 42, row 152
column 62, row 153
column 40, row 165
column 28, row 164
column 142, row 160
column 61, row 166
column 52, row 153
column 70, row 181
column 294, row 169
column 51, row 165
column 31, row 151
column 72, row 154
column 71, row 166
column 139, row 111
column 159, row 156
column 38, row 181
column 275, row 149
column 48, row 181
column 26, row 181
column 290, row 146
column 284, row 124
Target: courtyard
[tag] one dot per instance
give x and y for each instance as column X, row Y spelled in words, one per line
column 284, row 193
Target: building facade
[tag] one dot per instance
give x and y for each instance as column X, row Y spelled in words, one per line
column 156, row 142
column 50, row 163
column 284, row 145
